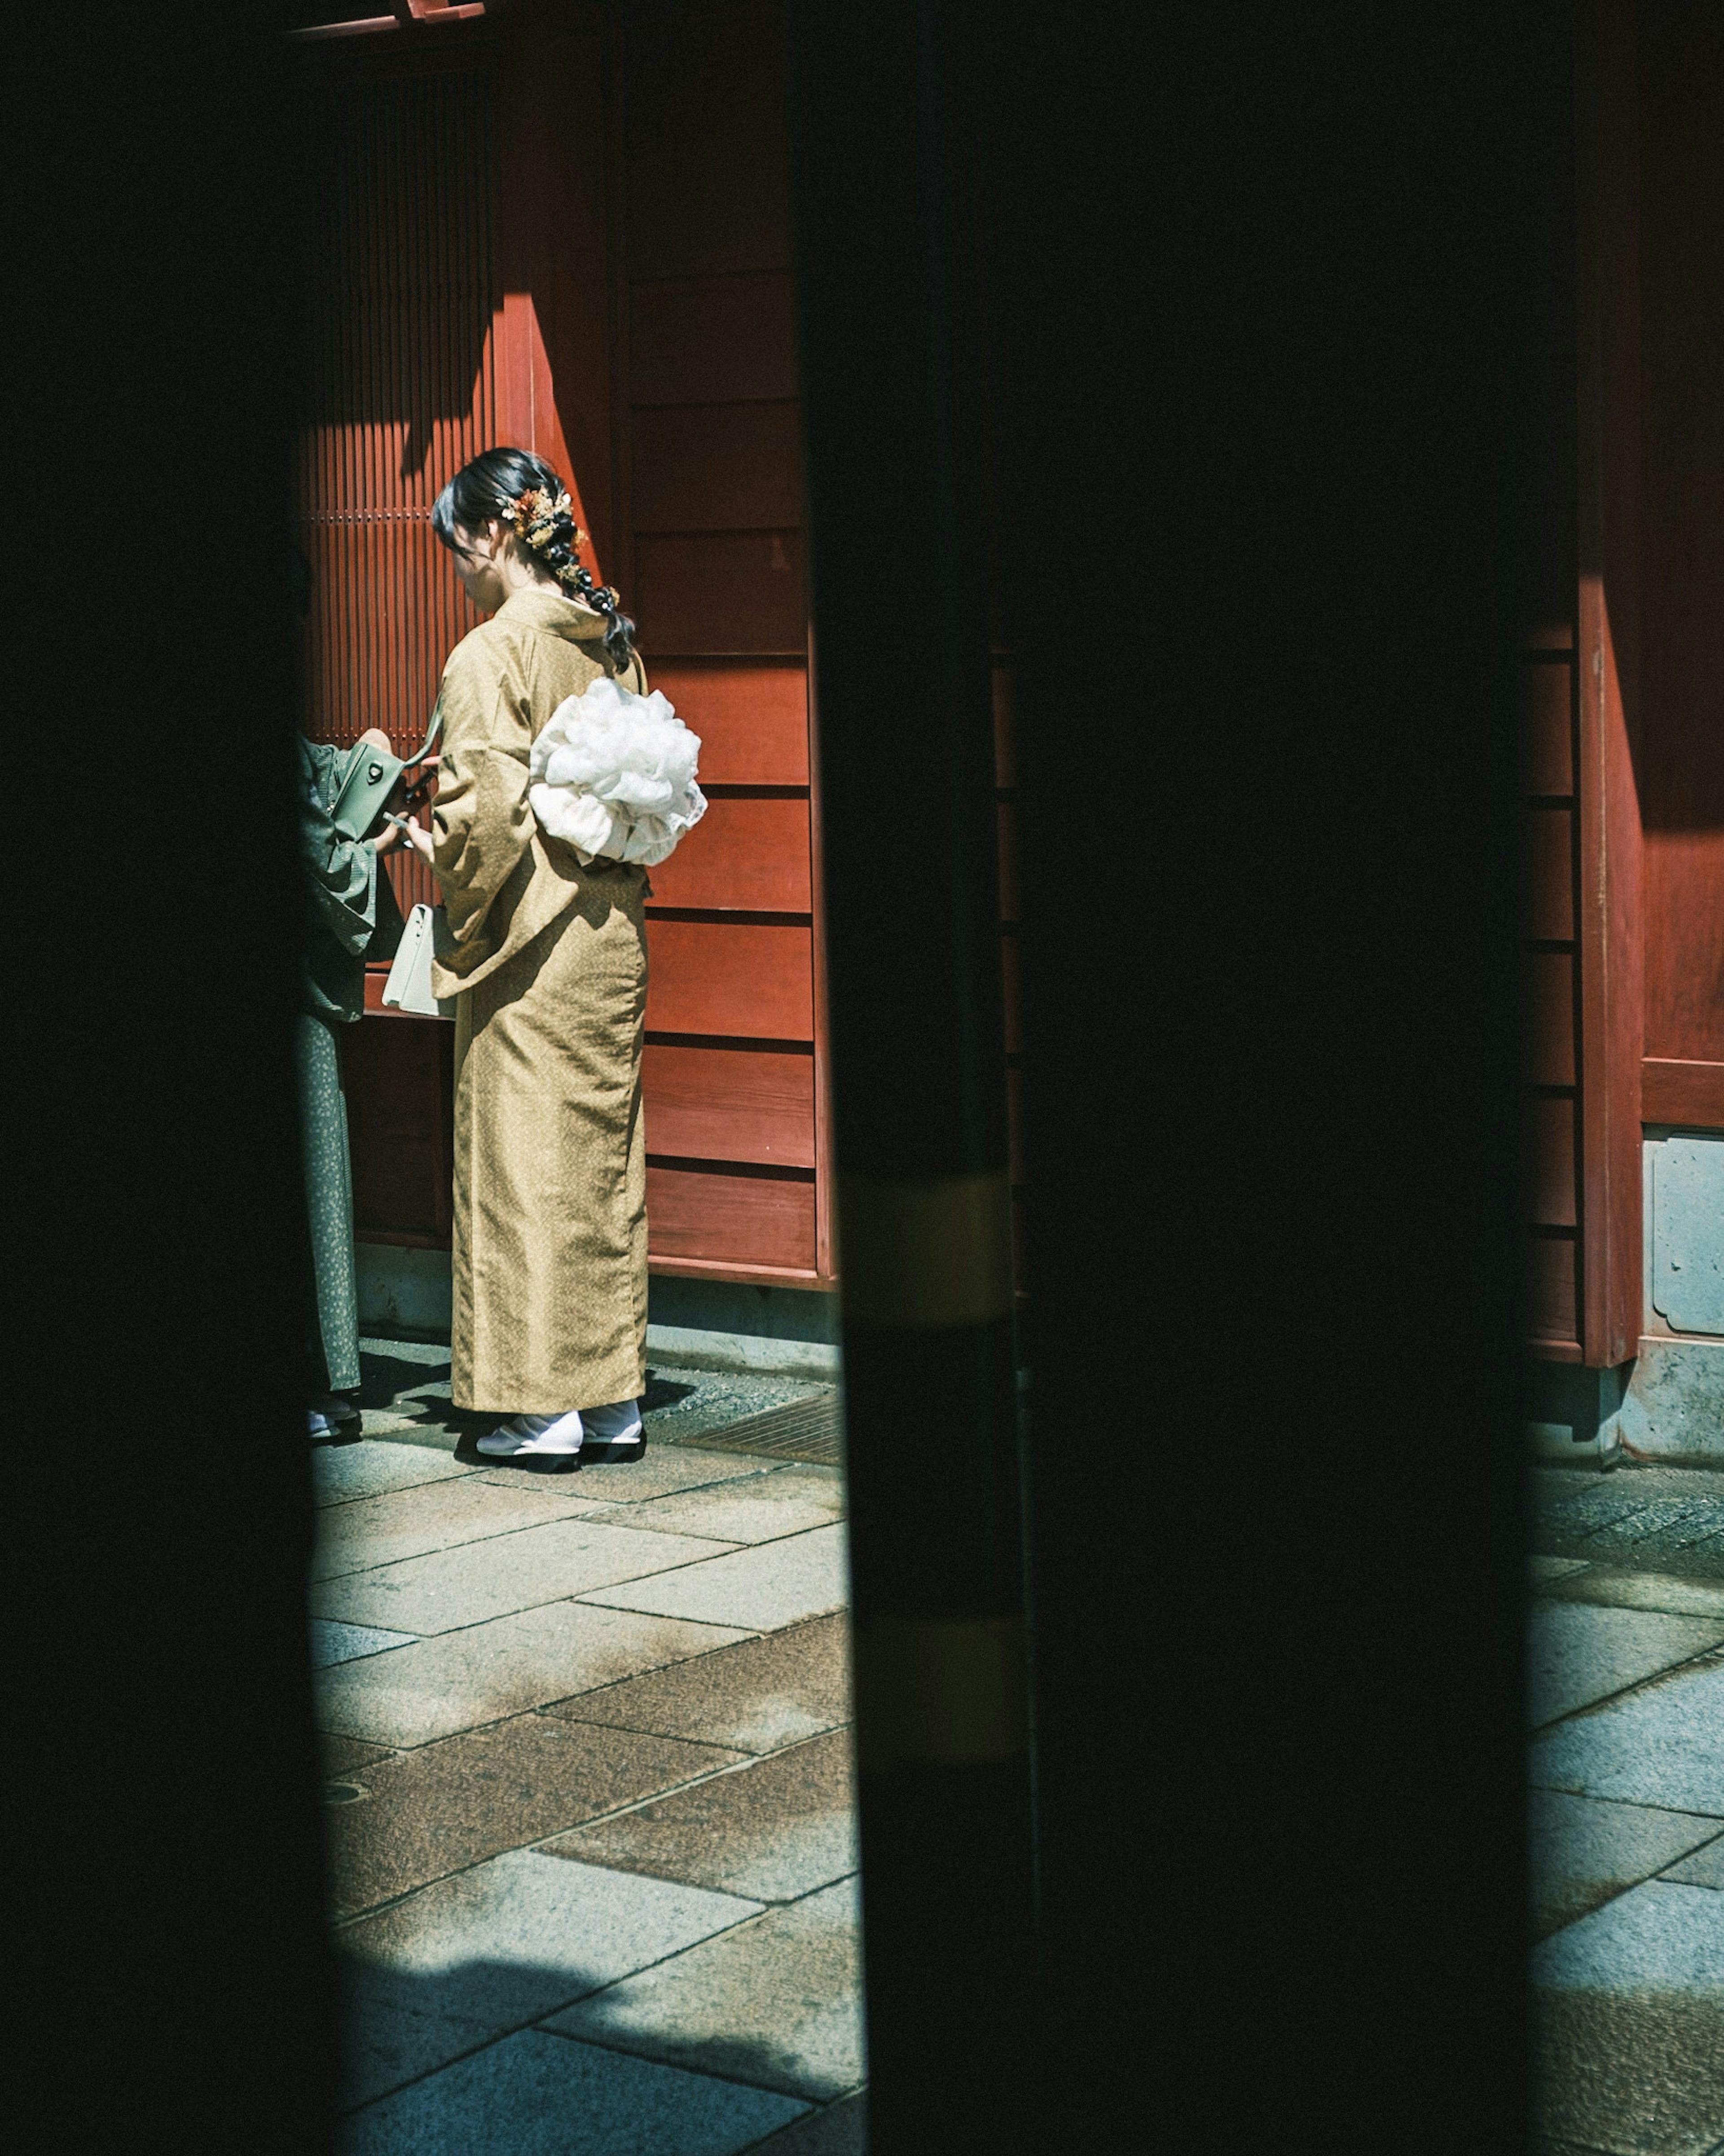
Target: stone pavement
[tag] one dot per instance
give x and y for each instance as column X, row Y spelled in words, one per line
column 587, row 1765
column 1626, row 1684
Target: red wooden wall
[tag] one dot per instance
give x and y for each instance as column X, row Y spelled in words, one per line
column 1623, row 675
column 576, row 238
column 709, row 550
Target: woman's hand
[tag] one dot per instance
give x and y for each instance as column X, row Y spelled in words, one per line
column 420, row 780
column 395, row 836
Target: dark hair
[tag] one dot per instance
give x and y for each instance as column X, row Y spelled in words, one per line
column 487, row 491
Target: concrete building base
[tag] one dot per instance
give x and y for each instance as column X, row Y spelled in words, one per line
column 713, row 1325
column 1668, row 1404
column 1673, row 1405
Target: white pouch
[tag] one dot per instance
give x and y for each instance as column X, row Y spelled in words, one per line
column 408, row 987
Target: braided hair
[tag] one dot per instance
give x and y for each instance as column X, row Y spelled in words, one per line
column 521, row 491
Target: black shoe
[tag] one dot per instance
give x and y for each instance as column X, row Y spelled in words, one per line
column 621, row 1454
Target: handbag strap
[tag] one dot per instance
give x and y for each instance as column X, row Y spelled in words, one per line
column 431, row 733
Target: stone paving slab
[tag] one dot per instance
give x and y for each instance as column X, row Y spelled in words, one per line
column 1578, row 1652
column 1704, row 1868
column 1630, row 2010
column 758, row 1696
column 1666, row 1518
column 776, row 2003
column 1622, row 1588
column 761, row 1589
column 453, row 1804
column 340, row 1473
column 435, row 1687
column 841, row 2129
column 452, row 1587
column 774, row 1831
column 504, row 1943
column 1658, row 1746
column 539, row 2095
column 347, row 1643
column 763, row 1508
column 1583, row 1851
column 433, row 1515
column 341, row 1755
column 657, row 1474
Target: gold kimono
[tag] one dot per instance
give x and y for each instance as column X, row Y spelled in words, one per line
column 547, row 962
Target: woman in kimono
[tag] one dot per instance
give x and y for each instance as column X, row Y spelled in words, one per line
column 543, row 952
column 348, row 902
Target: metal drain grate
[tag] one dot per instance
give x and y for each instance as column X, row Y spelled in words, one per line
column 807, row 1429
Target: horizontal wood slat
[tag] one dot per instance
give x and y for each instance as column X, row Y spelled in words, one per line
column 1681, row 1092
column 716, row 468
column 753, row 717
column 1548, row 728
column 1553, row 1308
column 707, row 340
column 731, row 592
column 1548, row 1009
column 1549, row 1162
column 730, row 1104
column 752, row 856
column 748, row 978
column 1549, row 894
column 734, row 1219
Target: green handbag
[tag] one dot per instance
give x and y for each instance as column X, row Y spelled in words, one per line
column 368, row 778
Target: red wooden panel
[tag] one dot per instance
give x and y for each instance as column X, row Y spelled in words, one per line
column 753, row 717
column 1553, row 1299
column 1685, row 919
column 707, row 160
column 399, row 1083
column 716, row 468
column 1680, row 758
column 1550, row 874
column 739, row 591
column 1610, row 923
column 746, row 979
column 1548, row 1162
column 1678, row 1092
column 1546, row 729
column 1547, row 1017
column 734, row 1219
column 709, row 340
column 752, row 856
column 730, row 1104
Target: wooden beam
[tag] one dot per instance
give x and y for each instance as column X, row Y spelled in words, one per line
column 1682, row 1092
column 1607, row 905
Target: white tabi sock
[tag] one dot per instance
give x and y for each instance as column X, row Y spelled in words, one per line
column 534, row 1434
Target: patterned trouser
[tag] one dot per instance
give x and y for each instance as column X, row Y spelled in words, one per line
column 329, row 1200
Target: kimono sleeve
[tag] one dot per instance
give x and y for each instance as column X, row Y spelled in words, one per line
column 340, row 874
column 482, row 825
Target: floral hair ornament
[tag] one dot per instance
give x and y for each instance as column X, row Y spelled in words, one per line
column 535, row 515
